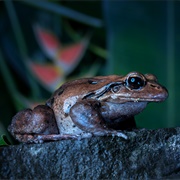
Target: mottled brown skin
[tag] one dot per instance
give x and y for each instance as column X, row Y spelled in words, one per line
column 90, row 106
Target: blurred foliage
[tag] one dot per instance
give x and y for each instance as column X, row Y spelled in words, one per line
column 4, row 141
column 44, row 43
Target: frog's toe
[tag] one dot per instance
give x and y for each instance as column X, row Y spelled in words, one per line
column 120, row 134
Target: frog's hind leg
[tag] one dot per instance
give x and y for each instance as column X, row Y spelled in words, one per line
column 86, row 115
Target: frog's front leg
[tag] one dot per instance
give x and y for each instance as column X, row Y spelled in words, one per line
column 87, row 116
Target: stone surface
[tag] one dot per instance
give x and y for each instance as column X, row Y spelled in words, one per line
column 148, row 154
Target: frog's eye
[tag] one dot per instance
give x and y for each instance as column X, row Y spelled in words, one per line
column 135, row 81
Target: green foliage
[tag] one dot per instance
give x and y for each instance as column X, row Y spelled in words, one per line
column 4, row 141
column 69, row 45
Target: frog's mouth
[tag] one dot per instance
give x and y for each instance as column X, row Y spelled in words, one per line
column 125, row 97
column 131, row 99
column 122, row 99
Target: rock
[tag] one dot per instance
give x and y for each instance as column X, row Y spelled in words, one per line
column 148, row 154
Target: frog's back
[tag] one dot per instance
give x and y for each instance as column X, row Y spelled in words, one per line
column 80, row 88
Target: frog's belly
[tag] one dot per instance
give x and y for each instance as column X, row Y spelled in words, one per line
column 66, row 126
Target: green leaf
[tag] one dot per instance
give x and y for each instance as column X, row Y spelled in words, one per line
column 67, row 12
column 4, row 141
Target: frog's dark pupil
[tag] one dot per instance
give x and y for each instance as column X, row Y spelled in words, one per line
column 135, row 82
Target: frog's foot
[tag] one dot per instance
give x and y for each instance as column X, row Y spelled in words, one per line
column 41, row 138
column 102, row 133
column 111, row 133
column 84, row 135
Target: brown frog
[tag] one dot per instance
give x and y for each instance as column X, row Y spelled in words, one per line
column 89, row 106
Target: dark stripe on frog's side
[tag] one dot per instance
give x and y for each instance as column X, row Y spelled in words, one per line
column 51, row 100
column 106, row 89
column 61, row 90
column 91, row 81
column 89, row 95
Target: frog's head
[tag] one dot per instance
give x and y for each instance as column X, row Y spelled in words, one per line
column 134, row 87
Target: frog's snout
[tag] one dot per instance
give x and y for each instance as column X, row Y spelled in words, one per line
column 163, row 95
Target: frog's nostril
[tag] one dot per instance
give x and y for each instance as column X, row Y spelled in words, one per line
column 152, row 85
column 155, row 86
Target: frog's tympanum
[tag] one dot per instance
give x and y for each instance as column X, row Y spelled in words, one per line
column 88, row 107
